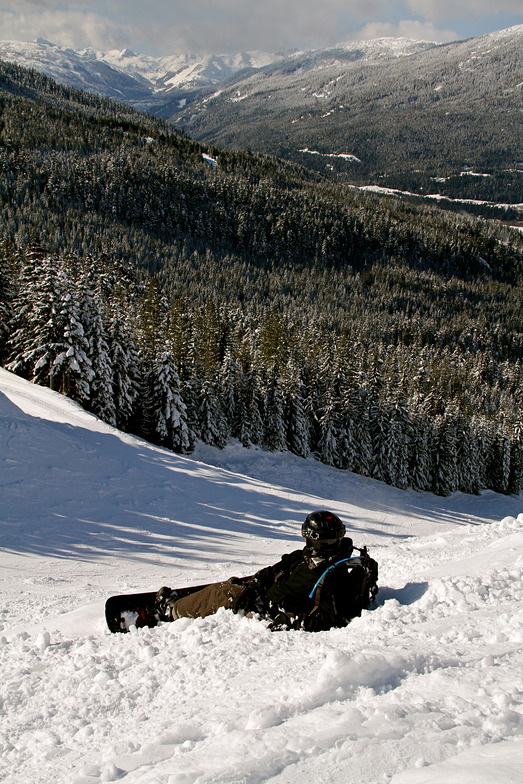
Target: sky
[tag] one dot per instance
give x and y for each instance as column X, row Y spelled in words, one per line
column 164, row 27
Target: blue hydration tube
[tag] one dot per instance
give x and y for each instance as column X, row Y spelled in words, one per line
column 356, row 561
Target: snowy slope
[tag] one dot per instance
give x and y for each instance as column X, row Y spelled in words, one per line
column 425, row 688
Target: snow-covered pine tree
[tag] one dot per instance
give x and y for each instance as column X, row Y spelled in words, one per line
column 7, row 294
column 351, row 405
column 212, row 424
column 330, row 417
column 101, row 400
column 328, row 448
column 469, row 455
column 71, row 371
column 445, row 456
column 499, row 458
column 295, row 419
column 249, row 423
column 229, row 383
column 34, row 327
column 48, row 344
column 373, row 413
column 421, row 450
column 397, row 441
column 167, row 413
column 515, row 485
column 274, row 437
column 125, row 366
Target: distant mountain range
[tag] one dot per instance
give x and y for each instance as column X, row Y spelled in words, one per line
column 392, row 113
column 141, row 81
column 162, row 84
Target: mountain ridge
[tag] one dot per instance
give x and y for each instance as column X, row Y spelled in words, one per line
column 141, row 81
column 403, row 123
column 137, row 78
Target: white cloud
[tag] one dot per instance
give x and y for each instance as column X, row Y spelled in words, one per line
column 218, row 26
column 68, row 28
column 436, row 10
column 265, row 24
column 185, row 25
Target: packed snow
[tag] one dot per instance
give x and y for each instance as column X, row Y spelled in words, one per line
column 211, row 161
column 436, row 196
column 425, row 688
column 345, row 155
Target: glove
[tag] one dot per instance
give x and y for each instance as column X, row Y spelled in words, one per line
column 252, row 598
column 162, row 602
column 284, row 621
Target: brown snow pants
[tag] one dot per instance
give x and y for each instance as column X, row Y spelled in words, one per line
column 207, row 601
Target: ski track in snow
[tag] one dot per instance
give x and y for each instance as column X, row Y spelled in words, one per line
column 425, row 688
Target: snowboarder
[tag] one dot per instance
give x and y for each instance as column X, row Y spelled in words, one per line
column 316, row 588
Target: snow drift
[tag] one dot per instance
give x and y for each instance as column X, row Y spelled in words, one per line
column 424, row 688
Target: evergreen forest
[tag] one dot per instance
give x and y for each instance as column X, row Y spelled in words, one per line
column 184, row 292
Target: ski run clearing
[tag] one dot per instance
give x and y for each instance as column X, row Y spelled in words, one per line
column 424, row 689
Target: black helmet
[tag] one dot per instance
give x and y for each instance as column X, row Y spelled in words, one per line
column 323, row 530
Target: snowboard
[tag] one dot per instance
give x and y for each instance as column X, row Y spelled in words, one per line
column 138, row 609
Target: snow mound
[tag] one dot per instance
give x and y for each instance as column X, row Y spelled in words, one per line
column 424, row 688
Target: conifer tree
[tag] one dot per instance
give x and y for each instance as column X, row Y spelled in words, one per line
column 296, row 423
column 102, row 397
column 499, row 459
column 7, row 294
column 445, row 456
column 420, row 458
column 166, row 411
column 229, row 390
column 126, row 368
column 327, row 449
column 273, row 418
column 398, row 440
column 212, row 425
column 352, row 436
column 468, row 456
column 48, row 343
column 249, row 424
column 515, row 483
column 330, row 421
column 71, row 370
column 35, row 329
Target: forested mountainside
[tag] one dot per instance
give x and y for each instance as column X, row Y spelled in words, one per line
column 412, row 122
column 184, row 292
column 416, row 116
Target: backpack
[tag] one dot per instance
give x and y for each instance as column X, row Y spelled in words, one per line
column 340, row 593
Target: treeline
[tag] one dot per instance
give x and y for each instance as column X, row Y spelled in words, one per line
column 183, row 299
column 412, row 415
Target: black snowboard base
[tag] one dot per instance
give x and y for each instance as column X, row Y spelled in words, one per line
column 138, row 609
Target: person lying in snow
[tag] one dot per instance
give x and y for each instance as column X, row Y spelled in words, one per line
column 316, row 588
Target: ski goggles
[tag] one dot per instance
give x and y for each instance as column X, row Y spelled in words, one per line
column 317, row 540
